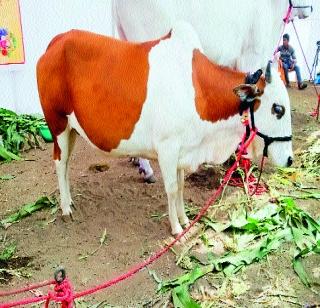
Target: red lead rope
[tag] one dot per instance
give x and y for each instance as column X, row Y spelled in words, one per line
column 64, row 294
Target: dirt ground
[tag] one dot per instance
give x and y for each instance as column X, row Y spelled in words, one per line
column 117, row 200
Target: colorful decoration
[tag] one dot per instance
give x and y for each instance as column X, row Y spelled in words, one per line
column 8, row 42
column 11, row 39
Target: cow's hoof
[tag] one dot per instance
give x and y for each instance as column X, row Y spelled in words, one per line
column 176, row 231
column 67, row 217
column 150, row 180
column 134, row 161
column 73, row 206
column 184, row 221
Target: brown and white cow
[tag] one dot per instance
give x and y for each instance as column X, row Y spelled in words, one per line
column 160, row 99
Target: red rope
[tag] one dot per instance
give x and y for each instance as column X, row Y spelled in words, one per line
column 28, row 288
column 66, row 292
column 250, row 182
column 315, row 112
column 286, row 21
column 63, row 293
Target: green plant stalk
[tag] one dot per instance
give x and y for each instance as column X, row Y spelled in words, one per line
column 27, row 210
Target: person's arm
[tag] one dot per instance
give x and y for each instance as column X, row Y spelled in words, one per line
column 279, row 53
column 293, row 58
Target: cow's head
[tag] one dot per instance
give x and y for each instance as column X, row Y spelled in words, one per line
column 301, row 8
column 272, row 118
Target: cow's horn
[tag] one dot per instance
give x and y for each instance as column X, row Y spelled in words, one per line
column 268, row 72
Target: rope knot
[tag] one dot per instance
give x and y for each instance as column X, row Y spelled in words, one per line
column 245, row 164
column 63, row 292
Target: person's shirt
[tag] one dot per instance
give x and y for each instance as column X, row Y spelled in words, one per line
column 287, row 55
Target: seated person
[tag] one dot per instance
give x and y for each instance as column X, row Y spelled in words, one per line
column 289, row 62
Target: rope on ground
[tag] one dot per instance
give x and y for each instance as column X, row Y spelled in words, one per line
column 28, row 288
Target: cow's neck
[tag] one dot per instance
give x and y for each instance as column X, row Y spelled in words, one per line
column 214, row 84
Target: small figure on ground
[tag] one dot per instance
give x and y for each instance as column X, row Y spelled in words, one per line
column 289, row 62
column 144, row 169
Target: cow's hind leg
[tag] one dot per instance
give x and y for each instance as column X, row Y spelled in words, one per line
column 145, row 168
column 63, row 145
column 168, row 165
column 183, row 218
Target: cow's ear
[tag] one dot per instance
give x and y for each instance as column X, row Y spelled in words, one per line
column 245, row 91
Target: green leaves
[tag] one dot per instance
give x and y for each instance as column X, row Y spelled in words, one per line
column 298, row 268
column 182, row 299
column 8, row 252
column 16, row 132
column 187, row 279
column 233, row 262
column 7, row 155
column 180, row 285
column 255, row 235
column 310, row 158
column 7, row 177
column 27, row 210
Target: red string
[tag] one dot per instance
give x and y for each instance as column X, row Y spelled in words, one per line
column 250, row 182
column 63, row 293
column 28, row 288
column 286, row 21
column 315, row 112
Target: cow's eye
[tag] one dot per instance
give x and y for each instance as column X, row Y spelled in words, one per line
column 278, row 110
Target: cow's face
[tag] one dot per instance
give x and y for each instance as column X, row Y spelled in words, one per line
column 301, row 8
column 272, row 118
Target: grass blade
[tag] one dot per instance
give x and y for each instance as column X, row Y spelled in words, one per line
column 27, row 210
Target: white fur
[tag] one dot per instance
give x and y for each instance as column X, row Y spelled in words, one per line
column 171, row 130
column 240, row 34
column 66, row 142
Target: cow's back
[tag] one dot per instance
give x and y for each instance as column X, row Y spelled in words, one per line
column 101, row 80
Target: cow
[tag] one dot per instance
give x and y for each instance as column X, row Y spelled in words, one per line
column 239, row 34
column 161, row 99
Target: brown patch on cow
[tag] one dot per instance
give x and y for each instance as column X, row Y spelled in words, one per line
column 56, row 149
column 261, row 84
column 101, row 79
column 214, row 84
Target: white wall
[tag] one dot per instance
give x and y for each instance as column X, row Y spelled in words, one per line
column 41, row 21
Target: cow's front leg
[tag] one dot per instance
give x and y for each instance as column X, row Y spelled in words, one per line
column 168, row 165
column 183, row 218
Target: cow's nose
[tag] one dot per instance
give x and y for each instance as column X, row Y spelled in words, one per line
column 290, row 161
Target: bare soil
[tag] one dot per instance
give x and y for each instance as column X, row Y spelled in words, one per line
column 116, row 199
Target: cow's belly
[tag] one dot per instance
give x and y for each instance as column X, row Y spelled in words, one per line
column 137, row 145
